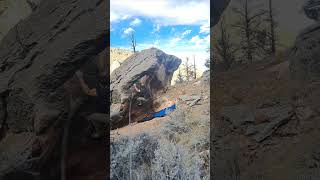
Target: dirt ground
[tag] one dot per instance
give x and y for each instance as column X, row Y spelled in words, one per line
column 172, row 93
column 289, row 153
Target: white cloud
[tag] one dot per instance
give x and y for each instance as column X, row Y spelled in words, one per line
column 186, row 32
column 196, row 39
column 135, row 22
column 128, row 30
column 205, row 28
column 156, row 28
column 200, row 43
column 207, row 39
column 174, row 41
column 165, row 12
column 113, row 16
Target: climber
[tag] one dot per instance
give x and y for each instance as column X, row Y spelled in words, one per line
column 144, row 92
column 139, row 92
column 98, row 119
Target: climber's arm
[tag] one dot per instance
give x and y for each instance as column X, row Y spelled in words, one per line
column 84, row 86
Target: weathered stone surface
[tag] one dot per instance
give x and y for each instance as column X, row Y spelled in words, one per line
column 217, row 8
column 20, row 112
column 191, row 100
column 304, row 113
column 154, row 63
column 2, row 112
column 206, row 77
column 15, row 151
column 238, row 115
column 312, row 9
column 277, row 115
column 304, row 59
column 37, row 57
column 258, row 123
column 44, row 117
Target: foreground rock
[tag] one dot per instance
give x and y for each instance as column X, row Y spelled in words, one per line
column 36, row 58
column 152, row 62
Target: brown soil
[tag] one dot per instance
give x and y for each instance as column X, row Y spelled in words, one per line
column 287, row 153
column 153, row 126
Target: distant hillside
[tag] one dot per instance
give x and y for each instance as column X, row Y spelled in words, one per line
column 117, row 56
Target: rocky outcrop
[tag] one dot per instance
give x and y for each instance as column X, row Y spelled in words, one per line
column 152, row 62
column 37, row 57
column 304, row 59
column 312, row 9
column 217, row 8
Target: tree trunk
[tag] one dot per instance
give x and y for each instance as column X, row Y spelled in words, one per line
column 273, row 46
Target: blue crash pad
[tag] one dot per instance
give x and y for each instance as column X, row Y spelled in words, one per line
column 161, row 113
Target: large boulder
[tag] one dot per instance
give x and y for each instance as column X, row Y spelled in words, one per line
column 304, row 59
column 153, row 62
column 37, row 57
column 312, row 9
column 217, row 8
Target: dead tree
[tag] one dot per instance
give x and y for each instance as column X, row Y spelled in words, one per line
column 187, row 67
column 179, row 77
column 248, row 24
column 224, row 47
column 194, row 68
column 272, row 25
column 133, row 43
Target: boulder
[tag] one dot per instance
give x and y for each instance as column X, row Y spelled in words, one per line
column 217, row 8
column 238, row 115
column 16, row 149
column 152, row 62
column 312, row 9
column 205, row 79
column 37, row 56
column 258, row 123
column 276, row 116
column 304, row 58
column 2, row 112
column 191, row 100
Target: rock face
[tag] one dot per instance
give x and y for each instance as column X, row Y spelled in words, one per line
column 304, row 60
column 153, row 62
column 217, row 8
column 312, row 9
column 37, row 57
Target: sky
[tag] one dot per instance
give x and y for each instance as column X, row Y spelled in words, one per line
column 179, row 27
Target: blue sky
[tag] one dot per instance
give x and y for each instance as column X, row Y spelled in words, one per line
column 179, row 27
